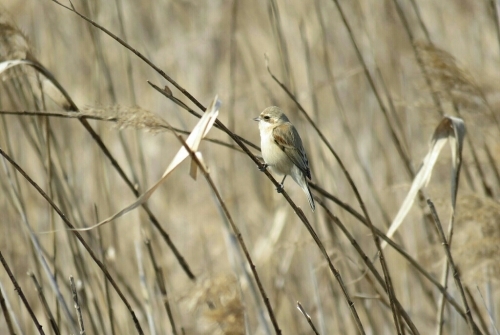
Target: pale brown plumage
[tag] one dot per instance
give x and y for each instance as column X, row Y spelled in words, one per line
column 282, row 148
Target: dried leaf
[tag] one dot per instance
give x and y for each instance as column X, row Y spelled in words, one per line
column 200, row 130
column 11, row 63
column 452, row 129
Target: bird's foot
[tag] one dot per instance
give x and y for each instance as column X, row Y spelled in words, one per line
column 280, row 188
column 263, row 167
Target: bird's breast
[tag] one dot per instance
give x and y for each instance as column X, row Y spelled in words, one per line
column 277, row 160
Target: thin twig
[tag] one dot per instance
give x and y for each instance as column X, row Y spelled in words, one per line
column 440, row 313
column 21, row 294
column 146, row 294
column 494, row 10
column 107, row 294
column 6, row 314
column 160, row 281
column 45, row 305
column 217, row 124
column 492, row 320
column 77, row 305
column 308, row 318
column 475, row 308
column 456, row 274
column 232, row 63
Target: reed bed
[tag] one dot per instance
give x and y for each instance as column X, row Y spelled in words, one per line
column 98, row 98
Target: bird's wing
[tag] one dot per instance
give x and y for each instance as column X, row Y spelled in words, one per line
column 288, row 139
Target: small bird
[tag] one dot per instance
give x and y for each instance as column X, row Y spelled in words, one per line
column 282, row 149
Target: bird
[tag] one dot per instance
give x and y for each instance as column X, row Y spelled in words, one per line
column 282, row 149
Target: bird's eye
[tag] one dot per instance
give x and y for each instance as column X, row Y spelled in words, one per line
column 266, row 117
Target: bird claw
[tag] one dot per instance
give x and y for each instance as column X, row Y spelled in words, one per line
column 263, row 167
column 280, row 188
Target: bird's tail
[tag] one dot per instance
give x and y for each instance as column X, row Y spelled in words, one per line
column 307, row 191
column 301, row 180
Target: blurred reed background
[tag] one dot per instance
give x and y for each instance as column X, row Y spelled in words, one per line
column 375, row 76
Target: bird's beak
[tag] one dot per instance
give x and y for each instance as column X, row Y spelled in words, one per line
column 257, row 118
